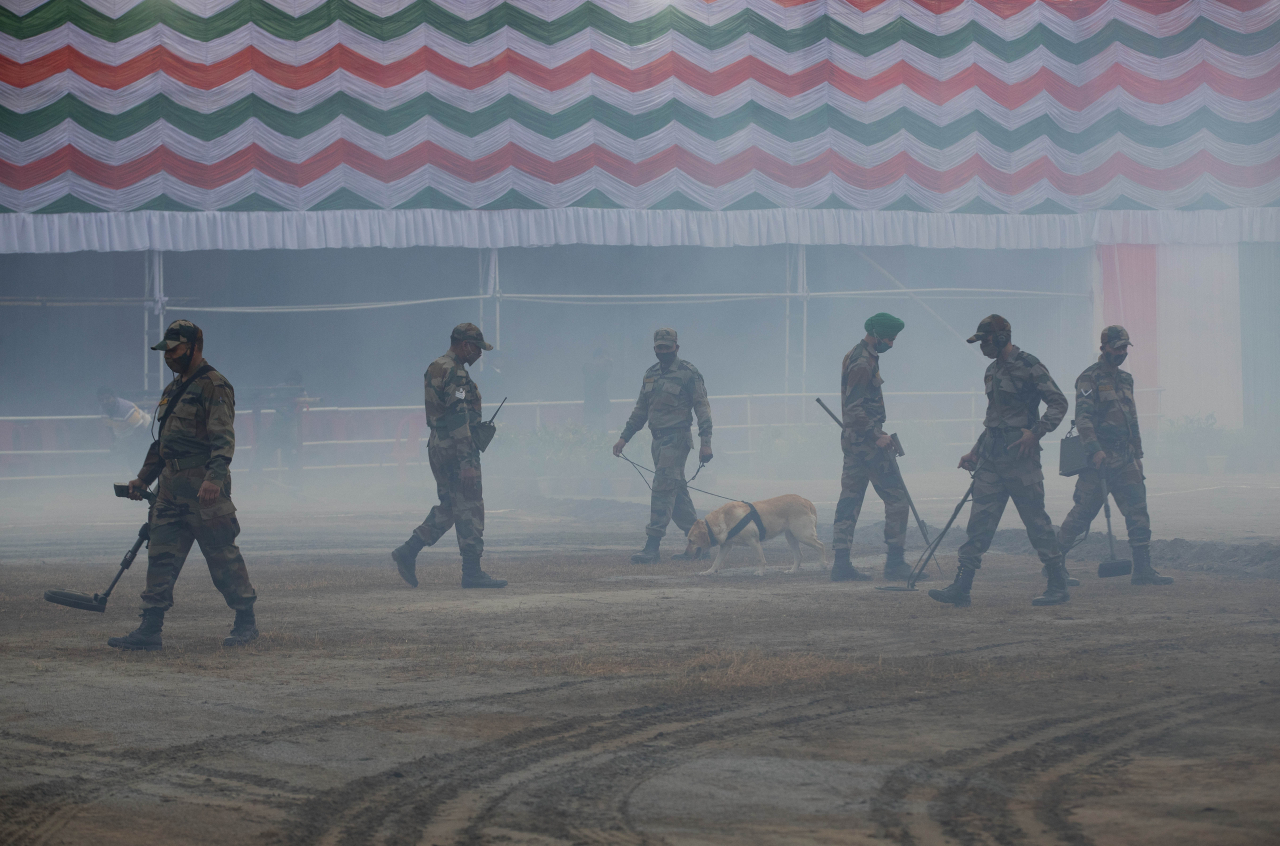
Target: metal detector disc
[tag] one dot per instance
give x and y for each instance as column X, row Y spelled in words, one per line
column 74, row 599
column 899, row 588
column 1109, row 569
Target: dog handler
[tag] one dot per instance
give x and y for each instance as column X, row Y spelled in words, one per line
column 1006, row 461
column 866, row 453
column 453, row 414
column 671, row 394
column 191, row 457
column 1107, row 419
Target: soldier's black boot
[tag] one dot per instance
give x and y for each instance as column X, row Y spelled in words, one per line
column 146, row 637
column 956, row 593
column 843, row 571
column 474, row 577
column 896, row 568
column 244, row 630
column 406, row 557
column 1055, row 593
column 1143, row 574
column 648, row 555
column 1072, row 581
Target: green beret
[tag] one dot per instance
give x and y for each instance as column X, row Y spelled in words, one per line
column 884, row 325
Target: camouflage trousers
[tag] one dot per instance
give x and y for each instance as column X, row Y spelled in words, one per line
column 461, row 502
column 177, row 520
column 1126, row 484
column 865, row 462
column 670, row 499
column 1003, row 476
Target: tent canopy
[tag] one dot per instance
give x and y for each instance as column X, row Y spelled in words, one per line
column 248, row 124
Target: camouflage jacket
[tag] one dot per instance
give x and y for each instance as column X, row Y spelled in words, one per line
column 862, row 401
column 671, row 398
column 1015, row 388
column 1106, row 415
column 452, row 401
column 202, row 423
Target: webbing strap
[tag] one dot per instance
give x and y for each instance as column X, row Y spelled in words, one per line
column 752, row 516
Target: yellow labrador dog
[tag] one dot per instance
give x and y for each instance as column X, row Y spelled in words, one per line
column 751, row 523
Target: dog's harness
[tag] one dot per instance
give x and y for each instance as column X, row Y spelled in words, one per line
column 752, row 516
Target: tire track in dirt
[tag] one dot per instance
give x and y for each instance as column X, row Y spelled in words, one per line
column 1011, row 790
column 32, row 814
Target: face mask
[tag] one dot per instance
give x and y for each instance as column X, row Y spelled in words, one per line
column 666, row 358
column 180, row 365
column 882, row 346
column 1116, row 359
column 989, row 348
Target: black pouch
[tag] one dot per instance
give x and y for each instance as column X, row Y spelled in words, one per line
column 1071, row 457
column 482, row 434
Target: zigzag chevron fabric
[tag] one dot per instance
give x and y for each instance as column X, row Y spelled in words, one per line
column 971, row 106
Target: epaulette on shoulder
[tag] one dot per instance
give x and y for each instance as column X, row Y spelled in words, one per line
column 1027, row 358
column 216, row 379
column 688, row 366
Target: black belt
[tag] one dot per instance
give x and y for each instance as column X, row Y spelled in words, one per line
column 671, row 430
column 186, row 462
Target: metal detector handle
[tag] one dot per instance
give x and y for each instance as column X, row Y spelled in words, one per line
column 122, row 491
column 899, row 452
column 819, row 401
column 144, row 535
column 937, row 542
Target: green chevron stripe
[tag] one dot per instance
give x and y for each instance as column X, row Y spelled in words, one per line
column 23, row 127
column 270, row 19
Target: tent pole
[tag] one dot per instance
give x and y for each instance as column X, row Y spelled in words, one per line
column 146, row 322
column 496, row 291
column 786, row 340
column 802, row 285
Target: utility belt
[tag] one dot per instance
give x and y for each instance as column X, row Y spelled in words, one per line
column 672, row 430
column 186, row 462
column 996, row 438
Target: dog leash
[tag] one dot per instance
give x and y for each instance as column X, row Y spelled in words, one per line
column 640, row 467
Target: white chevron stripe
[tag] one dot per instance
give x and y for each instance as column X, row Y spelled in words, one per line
column 298, row 150
column 1162, row 24
column 315, row 46
column 643, row 196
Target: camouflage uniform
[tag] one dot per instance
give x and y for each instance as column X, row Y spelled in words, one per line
column 453, row 407
column 1015, row 388
column 196, row 446
column 862, row 403
column 668, row 400
column 1107, row 420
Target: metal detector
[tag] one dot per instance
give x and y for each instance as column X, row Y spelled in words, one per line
column 1112, row 566
column 98, row 601
column 933, row 547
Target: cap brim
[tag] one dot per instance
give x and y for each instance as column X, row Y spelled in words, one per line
column 167, row 345
column 664, row 347
column 483, row 345
column 973, row 339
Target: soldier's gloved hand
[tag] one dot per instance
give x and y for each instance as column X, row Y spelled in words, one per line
column 705, row 454
column 208, row 493
column 969, row 462
column 1099, row 457
column 136, row 487
column 619, row 447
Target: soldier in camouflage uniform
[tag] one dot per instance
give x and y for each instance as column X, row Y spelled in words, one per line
column 1006, row 461
column 1107, row 420
column 867, row 453
column 453, row 414
column 670, row 396
column 192, row 460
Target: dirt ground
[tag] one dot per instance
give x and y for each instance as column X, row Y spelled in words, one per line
column 594, row 701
